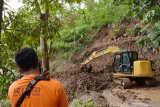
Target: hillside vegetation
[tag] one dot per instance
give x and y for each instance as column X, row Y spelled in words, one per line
column 74, row 29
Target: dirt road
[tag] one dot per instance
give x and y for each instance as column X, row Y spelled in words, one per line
column 118, row 97
column 150, row 96
column 134, row 97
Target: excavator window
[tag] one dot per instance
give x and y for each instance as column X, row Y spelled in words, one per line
column 116, row 63
column 123, row 62
column 125, row 58
column 126, row 63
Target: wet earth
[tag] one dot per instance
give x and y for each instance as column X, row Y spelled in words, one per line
column 96, row 86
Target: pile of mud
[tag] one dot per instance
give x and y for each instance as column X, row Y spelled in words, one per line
column 75, row 81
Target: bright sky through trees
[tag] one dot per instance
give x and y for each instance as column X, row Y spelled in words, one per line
column 14, row 4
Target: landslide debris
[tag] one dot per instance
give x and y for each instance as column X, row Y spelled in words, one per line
column 77, row 82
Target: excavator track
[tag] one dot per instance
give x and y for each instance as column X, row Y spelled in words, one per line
column 124, row 82
column 150, row 82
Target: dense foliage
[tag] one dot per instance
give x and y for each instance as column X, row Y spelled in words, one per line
column 70, row 26
column 34, row 20
column 148, row 13
column 80, row 24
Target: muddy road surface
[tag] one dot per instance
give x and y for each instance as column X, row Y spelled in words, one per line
column 117, row 97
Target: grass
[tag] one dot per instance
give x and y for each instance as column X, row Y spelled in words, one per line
column 5, row 103
column 79, row 103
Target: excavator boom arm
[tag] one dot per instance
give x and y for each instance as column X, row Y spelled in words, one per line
column 110, row 49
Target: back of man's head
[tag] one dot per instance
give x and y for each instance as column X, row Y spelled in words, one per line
column 26, row 59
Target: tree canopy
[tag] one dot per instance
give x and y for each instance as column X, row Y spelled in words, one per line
column 66, row 26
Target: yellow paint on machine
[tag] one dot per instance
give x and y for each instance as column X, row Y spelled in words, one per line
column 110, row 49
column 142, row 68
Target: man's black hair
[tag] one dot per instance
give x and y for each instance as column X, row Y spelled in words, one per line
column 26, row 59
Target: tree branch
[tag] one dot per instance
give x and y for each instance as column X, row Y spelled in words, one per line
column 1, row 13
column 9, row 6
column 38, row 6
column 51, row 1
column 47, row 6
column 17, row 29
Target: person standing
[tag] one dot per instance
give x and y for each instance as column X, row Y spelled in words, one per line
column 44, row 92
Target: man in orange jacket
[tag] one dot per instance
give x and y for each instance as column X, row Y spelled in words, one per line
column 48, row 93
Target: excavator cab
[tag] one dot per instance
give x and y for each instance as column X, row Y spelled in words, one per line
column 127, row 68
column 123, row 62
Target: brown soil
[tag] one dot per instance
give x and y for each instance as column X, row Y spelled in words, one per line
column 97, row 84
column 76, row 82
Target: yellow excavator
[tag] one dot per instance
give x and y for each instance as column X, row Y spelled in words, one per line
column 126, row 67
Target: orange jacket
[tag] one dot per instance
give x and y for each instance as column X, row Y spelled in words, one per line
column 44, row 94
